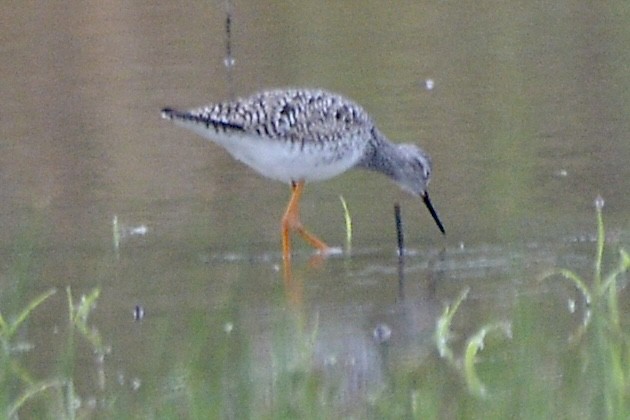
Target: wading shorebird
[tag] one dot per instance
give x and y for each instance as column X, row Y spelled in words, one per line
column 302, row 135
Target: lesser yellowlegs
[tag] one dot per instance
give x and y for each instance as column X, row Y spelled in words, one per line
column 302, row 135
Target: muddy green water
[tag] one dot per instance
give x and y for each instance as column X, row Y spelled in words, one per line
column 523, row 107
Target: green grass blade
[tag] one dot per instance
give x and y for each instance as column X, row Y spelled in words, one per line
column 443, row 326
column 474, row 345
column 87, row 304
column 577, row 281
column 79, row 314
column 116, row 233
column 601, row 236
column 71, row 309
column 31, row 392
column 624, row 266
column 3, row 326
column 27, row 311
column 348, row 221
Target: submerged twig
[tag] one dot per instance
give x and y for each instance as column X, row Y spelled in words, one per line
column 399, row 230
column 229, row 58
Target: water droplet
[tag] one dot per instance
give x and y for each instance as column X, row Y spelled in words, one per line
column 382, row 333
column 599, row 202
column 138, row 313
column 139, row 230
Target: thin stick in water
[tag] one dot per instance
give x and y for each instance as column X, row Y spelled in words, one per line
column 399, row 230
column 229, row 59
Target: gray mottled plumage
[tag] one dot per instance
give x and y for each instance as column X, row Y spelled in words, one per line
column 297, row 116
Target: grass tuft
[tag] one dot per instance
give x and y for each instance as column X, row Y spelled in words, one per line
column 601, row 333
column 442, row 333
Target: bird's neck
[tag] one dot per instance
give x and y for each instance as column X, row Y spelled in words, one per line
column 381, row 155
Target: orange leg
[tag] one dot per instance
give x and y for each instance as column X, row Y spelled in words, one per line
column 291, row 221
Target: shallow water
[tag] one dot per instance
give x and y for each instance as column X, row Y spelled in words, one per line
column 526, row 122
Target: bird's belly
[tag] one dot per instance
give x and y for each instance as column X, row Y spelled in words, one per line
column 286, row 162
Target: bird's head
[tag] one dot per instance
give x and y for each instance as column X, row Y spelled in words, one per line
column 414, row 175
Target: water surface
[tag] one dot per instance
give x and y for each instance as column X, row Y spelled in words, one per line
column 526, row 122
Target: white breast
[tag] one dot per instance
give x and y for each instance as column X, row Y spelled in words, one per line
column 285, row 161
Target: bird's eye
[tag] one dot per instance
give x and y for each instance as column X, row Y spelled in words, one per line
column 426, row 169
column 421, row 164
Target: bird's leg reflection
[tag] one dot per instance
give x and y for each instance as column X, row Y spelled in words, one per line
column 293, row 289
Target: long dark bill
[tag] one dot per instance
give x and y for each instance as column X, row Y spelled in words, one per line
column 427, row 202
